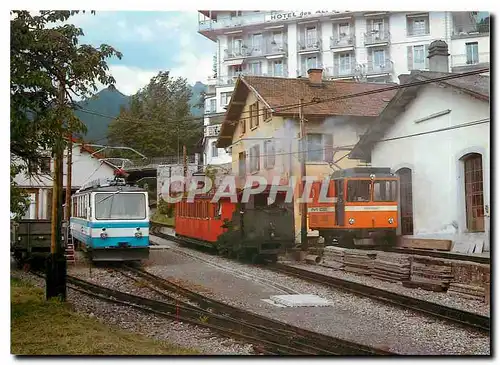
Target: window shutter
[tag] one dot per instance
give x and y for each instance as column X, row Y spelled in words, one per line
column 428, row 24
column 410, row 57
column 426, row 53
column 328, row 146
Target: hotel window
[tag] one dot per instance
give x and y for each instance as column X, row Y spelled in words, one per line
column 215, row 150
column 225, row 98
column 277, row 68
column 472, row 53
column 311, row 37
column 417, row 57
column 417, row 25
column 345, row 63
column 255, row 68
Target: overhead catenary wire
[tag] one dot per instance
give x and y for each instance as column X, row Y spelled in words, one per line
column 285, row 107
column 462, row 125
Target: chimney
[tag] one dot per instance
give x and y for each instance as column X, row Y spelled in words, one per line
column 315, row 76
column 438, row 57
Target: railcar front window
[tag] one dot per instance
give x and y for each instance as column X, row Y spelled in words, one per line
column 120, row 206
column 384, row 190
column 358, row 190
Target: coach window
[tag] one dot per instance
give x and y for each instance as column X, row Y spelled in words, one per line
column 384, row 190
column 358, row 190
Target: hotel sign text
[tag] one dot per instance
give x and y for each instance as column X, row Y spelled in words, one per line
column 299, row 14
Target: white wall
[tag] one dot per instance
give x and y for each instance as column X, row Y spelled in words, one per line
column 437, row 177
column 222, row 156
column 84, row 167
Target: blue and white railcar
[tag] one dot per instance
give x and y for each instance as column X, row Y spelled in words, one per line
column 110, row 221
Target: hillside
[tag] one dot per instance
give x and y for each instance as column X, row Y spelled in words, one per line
column 108, row 102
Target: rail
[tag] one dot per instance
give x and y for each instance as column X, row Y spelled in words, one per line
column 295, row 337
column 467, row 319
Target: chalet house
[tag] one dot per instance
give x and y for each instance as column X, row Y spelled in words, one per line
column 261, row 128
column 86, row 165
column 437, row 138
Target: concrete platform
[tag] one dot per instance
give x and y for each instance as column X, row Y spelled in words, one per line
column 300, row 300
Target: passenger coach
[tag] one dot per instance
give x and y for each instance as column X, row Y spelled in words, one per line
column 110, row 221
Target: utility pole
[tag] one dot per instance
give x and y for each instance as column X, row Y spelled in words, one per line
column 68, row 179
column 303, row 149
column 55, row 276
column 184, row 162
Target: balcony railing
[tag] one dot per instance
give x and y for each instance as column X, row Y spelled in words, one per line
column 248, row 50
column 462, row 60
column 212, row 130
column 341, row 70
column 376, row 37
column 273, row 47
column 309, row 44
column 373, row 68
column 227, row 22
column 348, row 40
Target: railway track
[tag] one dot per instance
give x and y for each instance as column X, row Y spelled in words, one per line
column 268, row 336
column 408, row 251
column 464, row 318
column 300, row 338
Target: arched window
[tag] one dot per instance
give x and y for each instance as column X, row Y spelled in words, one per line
column 215, row 150
column 474, row 201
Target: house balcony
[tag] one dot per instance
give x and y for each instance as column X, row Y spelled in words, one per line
column 378, row 69
column 342, row 43
column 375, row 38
column 339, row 71
column 309, row 45
column 463, row 62
column 212, row 131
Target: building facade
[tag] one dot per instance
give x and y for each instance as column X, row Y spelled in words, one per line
column 443, row 165
column 265, row 141
column 365, row 46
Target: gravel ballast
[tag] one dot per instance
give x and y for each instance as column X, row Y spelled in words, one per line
column 350, row 317
column 159, row 328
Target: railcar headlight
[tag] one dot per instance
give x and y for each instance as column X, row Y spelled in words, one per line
column 104, row 235
column 351, row 220
column 138, row 234
column 391, row 220
column 272, row 234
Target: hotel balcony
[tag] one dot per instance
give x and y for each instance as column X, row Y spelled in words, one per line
column 342, row 43
column 311, row 45
column 464, row 62
column 212, row 130
column 339, row 71
column 378, row 69
column 376, row 38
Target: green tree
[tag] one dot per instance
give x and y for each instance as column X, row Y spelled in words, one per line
column 48, row 69
column 154, row 123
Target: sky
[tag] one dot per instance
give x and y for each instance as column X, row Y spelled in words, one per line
column 150, row 41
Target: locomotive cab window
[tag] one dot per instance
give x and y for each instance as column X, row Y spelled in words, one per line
column 120, row 206
column 358, row 190
column 384, row 191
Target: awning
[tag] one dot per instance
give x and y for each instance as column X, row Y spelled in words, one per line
column 234, row 62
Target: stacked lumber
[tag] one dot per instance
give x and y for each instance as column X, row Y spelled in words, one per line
column 425, row 243
column 333, row 257
column 429, row 274
column 359, row 261
column 465, row 291
column 391, row 267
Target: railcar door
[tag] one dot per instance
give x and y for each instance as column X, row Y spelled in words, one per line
column 339, row 205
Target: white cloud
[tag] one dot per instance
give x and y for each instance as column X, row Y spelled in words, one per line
column 130, row 79
column 193, row 66
column 144, row 32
